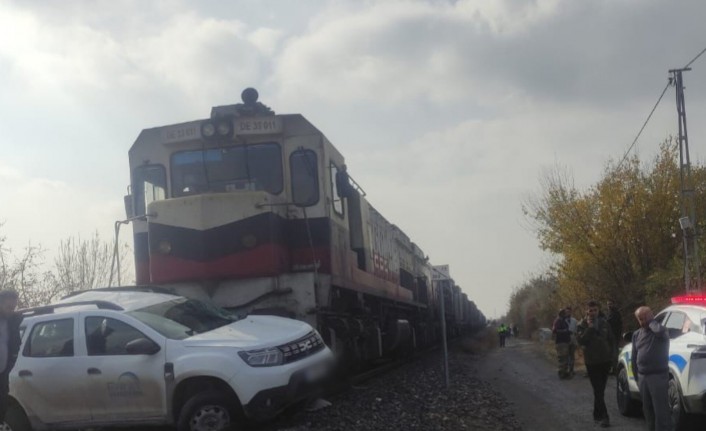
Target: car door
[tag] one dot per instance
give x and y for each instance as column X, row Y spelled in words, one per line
column 48, row 378
column 681, row 341
column 122, row 386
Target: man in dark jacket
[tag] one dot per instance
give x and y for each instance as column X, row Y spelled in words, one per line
column 9, row 344
column 596, row 339
column 650, row 365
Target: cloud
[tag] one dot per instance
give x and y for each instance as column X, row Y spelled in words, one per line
column 44, row 211
column 182, row 54
column 443, row 52
column 267, row 40
column 445, row 110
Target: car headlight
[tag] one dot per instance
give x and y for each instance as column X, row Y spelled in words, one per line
column 263, row 357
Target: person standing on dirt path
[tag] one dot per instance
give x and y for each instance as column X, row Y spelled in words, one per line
column 650, row 365
column 596, row 338
column 562, row 338
column 502, row 334
column 573, row 344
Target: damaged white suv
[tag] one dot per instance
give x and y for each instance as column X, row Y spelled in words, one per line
column 133, row 357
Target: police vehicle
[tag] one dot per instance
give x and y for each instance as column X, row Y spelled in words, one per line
column 685, row 321
column 134, row 357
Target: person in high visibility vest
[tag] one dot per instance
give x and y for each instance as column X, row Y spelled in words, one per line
column 502, row 334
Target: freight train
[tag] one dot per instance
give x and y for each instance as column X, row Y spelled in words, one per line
column 258, row 213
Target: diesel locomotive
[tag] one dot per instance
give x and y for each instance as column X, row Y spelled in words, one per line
column 258, row 213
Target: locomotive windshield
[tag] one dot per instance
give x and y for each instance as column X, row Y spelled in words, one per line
column 251, row 167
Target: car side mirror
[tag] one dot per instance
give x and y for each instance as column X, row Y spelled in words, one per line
column 142, row 346
column 627, row 336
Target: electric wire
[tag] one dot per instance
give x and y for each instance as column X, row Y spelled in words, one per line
column 644, row 125
column 653, row 110
column 695, row 58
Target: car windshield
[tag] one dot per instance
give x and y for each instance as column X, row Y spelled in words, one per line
column 181, row 318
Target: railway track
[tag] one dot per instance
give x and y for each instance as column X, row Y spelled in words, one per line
column 384, row 368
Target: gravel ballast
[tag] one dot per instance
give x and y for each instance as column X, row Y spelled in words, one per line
column 413, row 397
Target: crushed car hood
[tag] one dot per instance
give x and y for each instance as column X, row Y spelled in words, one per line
column 252, row 332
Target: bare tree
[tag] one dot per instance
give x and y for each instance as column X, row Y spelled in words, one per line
column 86, row 264
column 25, row 275
column 79, row 264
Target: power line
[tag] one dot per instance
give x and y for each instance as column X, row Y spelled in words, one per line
column 646, row 121
column 653, row 110
column 695, row 58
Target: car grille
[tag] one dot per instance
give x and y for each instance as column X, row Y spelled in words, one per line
column 301, row 348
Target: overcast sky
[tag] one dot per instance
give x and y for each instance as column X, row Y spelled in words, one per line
column 446, row 111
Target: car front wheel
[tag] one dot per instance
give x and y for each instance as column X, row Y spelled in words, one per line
column 208, row 411
column 626, row 404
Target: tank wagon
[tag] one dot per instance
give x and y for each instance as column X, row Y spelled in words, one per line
column 258, row 213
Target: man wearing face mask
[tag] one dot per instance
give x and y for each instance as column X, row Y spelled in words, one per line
column 9, row 344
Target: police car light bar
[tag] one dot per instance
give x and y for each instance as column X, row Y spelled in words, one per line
column 689, row 299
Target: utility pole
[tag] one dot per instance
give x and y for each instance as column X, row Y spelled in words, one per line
column 442, row 292
column 688, row 207
column 442, row 279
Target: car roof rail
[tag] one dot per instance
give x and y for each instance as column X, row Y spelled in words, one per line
column 138, row 288
column 48, row 309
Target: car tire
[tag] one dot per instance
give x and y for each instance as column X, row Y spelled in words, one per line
column 208, row 411
column 16, row 419
column 627, row 406
column 681, row 420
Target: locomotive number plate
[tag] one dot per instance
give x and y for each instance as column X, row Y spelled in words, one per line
column 258, row 125
column 180, row 133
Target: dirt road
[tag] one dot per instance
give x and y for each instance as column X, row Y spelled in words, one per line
column 540, row 400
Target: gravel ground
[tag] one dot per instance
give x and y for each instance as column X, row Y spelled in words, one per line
column 412, row 397
column 526, row 375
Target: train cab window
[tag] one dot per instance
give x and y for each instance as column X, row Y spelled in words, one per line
column 149, row 185
column 228, row 169
column 336, row 199
column 305, row 178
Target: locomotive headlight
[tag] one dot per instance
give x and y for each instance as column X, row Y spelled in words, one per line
column 208, row 129
column 263, row 357
column 165, row 247
column 224, row 128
